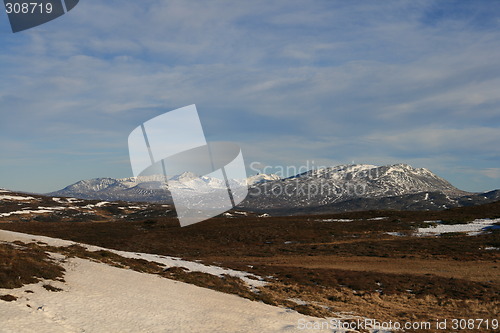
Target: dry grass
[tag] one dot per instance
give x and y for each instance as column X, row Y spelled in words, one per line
column 478, row 271
column 51, row 288
column 8, row 298
column 21, row 265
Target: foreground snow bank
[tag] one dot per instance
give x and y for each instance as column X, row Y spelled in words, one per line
column 97, row 298
column 251, row 279
column 101, row 298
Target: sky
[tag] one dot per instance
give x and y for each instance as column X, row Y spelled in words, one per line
column 294, row 83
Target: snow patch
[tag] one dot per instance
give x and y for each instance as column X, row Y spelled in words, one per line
column 397, row 234
column 472, row 228
column 40, row 210
column 335, row 220
column 15, row 197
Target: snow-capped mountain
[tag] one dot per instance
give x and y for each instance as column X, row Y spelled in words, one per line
column 262, row 178
column 339, row 188
column 126, row 189
column 149, row 188
column 373, row 181
column 347, row 182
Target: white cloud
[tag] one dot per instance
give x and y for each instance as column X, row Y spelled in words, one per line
column 435, row 140
column 491, row 172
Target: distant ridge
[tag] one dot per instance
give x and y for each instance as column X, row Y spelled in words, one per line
column 333, row 189
column 148, row 188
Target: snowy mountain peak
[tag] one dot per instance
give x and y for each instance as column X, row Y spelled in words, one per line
column 368, row 172
column 262, row 178
column 340, row 183
column 339, row 170
column 185, row 176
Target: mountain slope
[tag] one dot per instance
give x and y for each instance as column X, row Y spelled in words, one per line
column 344, row 183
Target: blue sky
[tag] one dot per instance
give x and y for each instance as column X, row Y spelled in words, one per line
column 376, row 82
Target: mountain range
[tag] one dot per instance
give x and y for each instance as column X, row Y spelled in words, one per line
column 326, row 190
column 148, row 188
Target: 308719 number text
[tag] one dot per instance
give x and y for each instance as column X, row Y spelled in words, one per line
column 28, row 8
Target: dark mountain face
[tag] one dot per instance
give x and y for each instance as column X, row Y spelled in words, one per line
column 347, row 187
column 423, row 201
